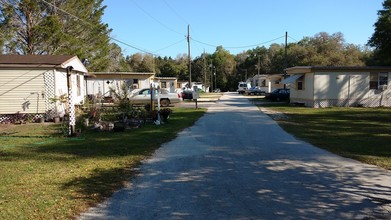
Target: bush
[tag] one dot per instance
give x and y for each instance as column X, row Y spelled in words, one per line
column 119, row 126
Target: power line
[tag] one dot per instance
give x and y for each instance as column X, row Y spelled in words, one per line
column 293, row 39
column 238, row 47
column 173, row 44
column 159, row 22
column 175, row 12
column 95, row 26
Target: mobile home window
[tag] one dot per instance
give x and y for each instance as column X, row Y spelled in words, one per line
column 383, row 79
column 300, row 83
column 164, row 84
column 377, row 79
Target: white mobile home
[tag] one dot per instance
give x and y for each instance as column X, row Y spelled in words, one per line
column 29, row 84
column 195, row 86
column 269, row 82
column 100, row 83
column 169, row 83
column 318, row 86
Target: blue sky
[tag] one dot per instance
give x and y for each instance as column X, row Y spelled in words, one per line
column 160, row 26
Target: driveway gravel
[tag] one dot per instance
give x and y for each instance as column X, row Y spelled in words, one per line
column 237, row 163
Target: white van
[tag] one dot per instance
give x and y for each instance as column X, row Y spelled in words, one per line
column 243, row 86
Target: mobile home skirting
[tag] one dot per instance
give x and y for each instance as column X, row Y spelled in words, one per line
column 324, row 103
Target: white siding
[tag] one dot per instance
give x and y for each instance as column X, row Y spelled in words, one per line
column 145, row 83
column 306, row 95
column 76, row 64
column 22, row 91
column 98, row 87
column 78, row 90
column 348, row 89
column 61, row 89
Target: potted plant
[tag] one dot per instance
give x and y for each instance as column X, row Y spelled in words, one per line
column 165, row 113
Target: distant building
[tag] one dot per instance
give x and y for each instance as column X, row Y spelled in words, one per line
column 169, row 83
column 268, row 82
column 101, row 83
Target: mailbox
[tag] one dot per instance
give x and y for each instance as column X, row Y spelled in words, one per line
column 196, row 95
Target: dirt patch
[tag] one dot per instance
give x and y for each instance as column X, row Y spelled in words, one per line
column 275, row 115
column 4, row 127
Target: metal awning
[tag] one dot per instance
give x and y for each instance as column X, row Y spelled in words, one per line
column 291, row 79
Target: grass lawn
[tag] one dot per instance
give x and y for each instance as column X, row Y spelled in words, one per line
column 363, row 134
column 211, row 94
column 46, row 176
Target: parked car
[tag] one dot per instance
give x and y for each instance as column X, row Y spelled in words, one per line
column 187, row 94
column 143, row 96
column 255, row 91
column 278, row 95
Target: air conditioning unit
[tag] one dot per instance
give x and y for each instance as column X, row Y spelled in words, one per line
column 382, row 87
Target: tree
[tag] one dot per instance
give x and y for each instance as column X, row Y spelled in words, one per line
column 60, row 27
column 381, row 38
column 117, row 60
column 225, row 67
column 139, row 62
column 325, row 50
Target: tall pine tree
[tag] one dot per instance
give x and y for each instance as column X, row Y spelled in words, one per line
column 72, row 27
column 381, row 38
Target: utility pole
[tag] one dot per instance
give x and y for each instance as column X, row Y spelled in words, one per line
column 286, row 56
column 189, row 57
column 204, row 69
column 258, row 67
column 215, row 80
column 211, row 76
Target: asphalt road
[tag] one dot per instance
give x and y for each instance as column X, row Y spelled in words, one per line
column 237, row 163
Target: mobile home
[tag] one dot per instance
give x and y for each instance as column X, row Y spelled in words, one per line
column 320, row 86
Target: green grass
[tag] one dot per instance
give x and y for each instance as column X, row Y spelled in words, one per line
column 46, row 176
column 363, row 134
column 211, row 95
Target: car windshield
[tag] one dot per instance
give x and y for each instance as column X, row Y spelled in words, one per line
column 144, row 92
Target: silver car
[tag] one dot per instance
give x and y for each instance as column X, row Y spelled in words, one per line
column 143, row 96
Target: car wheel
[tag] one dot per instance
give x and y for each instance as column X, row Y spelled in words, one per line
column 164, row 102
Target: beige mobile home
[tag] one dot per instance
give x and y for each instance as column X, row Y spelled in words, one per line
column 30, row 84
column 319, row 86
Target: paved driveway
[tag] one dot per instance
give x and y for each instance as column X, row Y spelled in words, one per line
column 237, row 163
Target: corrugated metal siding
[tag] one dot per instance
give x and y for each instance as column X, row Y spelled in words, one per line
column 22, row 91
